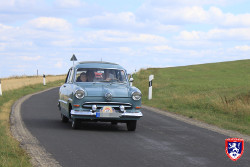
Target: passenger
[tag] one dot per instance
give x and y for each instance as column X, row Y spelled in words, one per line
column 90, row 76
column 82, row 77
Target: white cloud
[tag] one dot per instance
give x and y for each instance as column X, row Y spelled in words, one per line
column 231, row 20
column 160, row 48
column 159, row 33
column 191, row 14
column 21, row 8
column 9, row 3
column 59, row 64
column 27, row 58
column 216, row 34
column 121, row 37
column 164, row 3
column 69, row 3
column 50, row 23
column 111, row 20
column 125, row 49
column 243, row 48
column 6, row 32
column 2, row 46
column 63, row 42
column 125, row 21
column 186, row 35
column 17, row 3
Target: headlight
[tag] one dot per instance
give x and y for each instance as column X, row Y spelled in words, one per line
column 79, row 94
column 136, row 95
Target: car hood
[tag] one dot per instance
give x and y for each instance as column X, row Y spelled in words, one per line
column 117, row 90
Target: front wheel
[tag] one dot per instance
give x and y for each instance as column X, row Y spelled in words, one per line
column 64, row 119
column 114, row 123
column 75, row 123
column 131, row 125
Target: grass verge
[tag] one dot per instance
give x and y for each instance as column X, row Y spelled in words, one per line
column 216, row 93
column 11, row 153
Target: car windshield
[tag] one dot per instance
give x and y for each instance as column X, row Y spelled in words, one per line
column 100, row 75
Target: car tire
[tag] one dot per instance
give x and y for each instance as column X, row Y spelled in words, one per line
column 75, row 123
column 114, row 123
column 131, row 125
column 64, row 119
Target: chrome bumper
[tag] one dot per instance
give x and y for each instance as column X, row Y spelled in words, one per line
column 126, row 114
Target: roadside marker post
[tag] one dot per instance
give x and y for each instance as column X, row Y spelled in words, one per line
column 73, row 58
column 44, row 80
column 151, row 77
column 0, row 88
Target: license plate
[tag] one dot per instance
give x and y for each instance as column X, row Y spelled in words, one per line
column 107, row 109
column 107, row 112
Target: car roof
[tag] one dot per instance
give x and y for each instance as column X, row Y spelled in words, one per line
column 98, row 64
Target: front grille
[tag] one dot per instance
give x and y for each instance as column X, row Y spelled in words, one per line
column 115, row 105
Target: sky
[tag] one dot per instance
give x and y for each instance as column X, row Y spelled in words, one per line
column 44, row 34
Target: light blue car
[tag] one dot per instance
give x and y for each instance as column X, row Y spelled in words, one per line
column 99, row 91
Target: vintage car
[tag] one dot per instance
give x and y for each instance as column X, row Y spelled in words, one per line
column 99, row 91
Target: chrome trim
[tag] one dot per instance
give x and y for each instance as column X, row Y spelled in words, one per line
column 77, row 90
column 136, row 92
column 135, row 114
column 96, row 62
column 108, row 96
column 108, row 103
column 102, row 104
column 62, row 101
column 73, row 112
column 88, row 113
column 94, row 107
column 122, row 108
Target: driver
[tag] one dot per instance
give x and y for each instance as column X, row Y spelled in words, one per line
column 90, row 75
column 109, row 75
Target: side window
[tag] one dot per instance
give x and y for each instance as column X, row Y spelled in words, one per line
column 69, row 76
column 66, row 80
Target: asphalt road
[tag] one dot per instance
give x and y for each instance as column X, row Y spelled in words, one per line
column 158, row 140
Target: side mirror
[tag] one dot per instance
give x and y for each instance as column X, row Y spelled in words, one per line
column 131, row 81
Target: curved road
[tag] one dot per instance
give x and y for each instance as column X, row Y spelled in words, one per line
column 158, row 140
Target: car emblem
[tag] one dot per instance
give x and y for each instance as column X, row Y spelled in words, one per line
column 108, row 96
column 234, row 148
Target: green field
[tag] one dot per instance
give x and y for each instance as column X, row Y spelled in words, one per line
column 11, row 153
column 216, row 93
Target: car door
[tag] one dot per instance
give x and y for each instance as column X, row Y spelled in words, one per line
column 69, row 90
column 64, row 92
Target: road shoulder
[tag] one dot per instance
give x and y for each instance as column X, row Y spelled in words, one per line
column 230, row 133
column 39, row 156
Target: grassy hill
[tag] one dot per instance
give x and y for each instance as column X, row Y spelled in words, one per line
column 216, row 93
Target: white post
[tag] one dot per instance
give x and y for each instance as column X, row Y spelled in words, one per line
column 44, row 80
column 0, row 88
column 151, row 77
